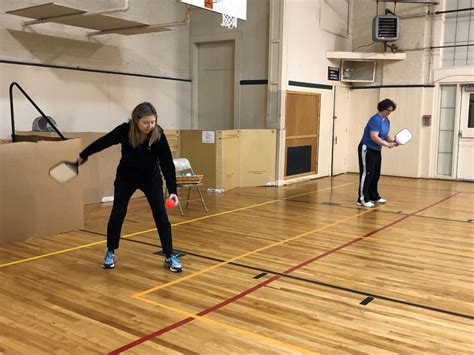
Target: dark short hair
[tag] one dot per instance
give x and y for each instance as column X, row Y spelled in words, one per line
column 385, row 104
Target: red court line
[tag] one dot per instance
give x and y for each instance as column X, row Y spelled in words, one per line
column 266, row 282
column 151, row 336
column 309, row 261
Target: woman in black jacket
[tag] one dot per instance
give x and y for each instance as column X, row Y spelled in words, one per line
column 144, row 151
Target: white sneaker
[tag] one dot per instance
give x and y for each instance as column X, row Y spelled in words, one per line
column 366, row 204
column 381, row 201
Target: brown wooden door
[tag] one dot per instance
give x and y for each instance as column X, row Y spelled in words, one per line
column 302, row 133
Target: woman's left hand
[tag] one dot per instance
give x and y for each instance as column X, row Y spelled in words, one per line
column 174, row 197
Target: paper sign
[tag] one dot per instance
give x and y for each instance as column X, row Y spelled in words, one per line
column 208, row 137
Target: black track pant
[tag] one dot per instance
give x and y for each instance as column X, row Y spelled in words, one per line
column 154, row 193
column 370, row 162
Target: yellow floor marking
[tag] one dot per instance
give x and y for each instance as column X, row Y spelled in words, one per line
column 210, row 268
column 174, row 225
column 231, row 328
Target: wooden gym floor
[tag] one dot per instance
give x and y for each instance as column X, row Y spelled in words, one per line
column 296, row 269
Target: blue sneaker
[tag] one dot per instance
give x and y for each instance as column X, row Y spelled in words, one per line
column 173, row 264
column 109, row 260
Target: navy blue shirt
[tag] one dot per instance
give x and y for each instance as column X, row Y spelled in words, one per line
column 376, row 124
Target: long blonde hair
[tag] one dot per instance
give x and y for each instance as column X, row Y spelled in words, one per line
column 142, row 110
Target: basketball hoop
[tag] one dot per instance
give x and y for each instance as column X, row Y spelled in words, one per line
column 228, row 7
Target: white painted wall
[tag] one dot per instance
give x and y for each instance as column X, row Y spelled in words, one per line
column 98, row 101
column 87, row 101
column 305, row 61
column 363, row 105
column 251, row 57
column 421, row 67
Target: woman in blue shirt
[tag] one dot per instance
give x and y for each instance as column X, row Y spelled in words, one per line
column 376, row 135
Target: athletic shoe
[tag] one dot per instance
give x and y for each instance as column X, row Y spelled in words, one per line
column 173, row 264
column 109, row 260
column 365, row 204
column 380, row 200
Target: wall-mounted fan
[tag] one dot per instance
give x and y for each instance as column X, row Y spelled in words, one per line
column 40, row 124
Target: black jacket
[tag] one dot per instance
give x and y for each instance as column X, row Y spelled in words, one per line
column 141, row 164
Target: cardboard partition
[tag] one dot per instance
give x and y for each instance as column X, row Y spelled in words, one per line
column 174, row 141
column 257, row 157
column 202, row 156
column 227, row 159
column 231, row 158
column 98, row 173
column 31, row 203
column 217, row 158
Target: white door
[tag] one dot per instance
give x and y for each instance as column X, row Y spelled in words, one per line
column 465, row 162
column 341, row 122
column 216, row 85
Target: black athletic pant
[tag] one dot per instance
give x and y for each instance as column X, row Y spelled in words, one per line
column 370, row 162
column 153, row 191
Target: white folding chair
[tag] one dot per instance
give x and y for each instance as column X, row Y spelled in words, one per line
column 182, row 165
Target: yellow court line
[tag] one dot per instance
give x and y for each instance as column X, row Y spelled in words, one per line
column 52, row 253
column 174, row 225
column 210, row 268
column 68, row 250
column 231, row 328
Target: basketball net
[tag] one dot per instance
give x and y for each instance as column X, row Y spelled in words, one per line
column 229, row 6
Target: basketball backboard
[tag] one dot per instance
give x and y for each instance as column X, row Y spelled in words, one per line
column 235, row 8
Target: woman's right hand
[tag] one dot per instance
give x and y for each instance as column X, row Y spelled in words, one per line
column 391, row 144
column 80, row 161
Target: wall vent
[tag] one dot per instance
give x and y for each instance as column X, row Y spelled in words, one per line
column 385, row 28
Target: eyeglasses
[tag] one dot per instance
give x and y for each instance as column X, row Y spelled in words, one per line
column 388, row 110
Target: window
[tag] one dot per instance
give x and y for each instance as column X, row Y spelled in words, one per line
column 446, row 130
column 470, row 119
column 459, row 33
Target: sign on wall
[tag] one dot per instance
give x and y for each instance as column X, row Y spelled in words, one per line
column 333, row 73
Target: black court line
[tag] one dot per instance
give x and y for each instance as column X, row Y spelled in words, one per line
column 319, row 283
column 367, row 301
column 334, row 204
column 424, row 188
column 412, row 187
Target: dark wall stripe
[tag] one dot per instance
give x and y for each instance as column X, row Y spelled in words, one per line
column 309, row 85
column 393, row 86
column 254, row 82
column 92, row 70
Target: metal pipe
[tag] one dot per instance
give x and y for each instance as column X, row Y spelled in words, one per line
column 456, row 10
column 434, row 47
column 12, row 111
column 123, row 8
column 334, row 117
column 184, row 22
column 436, row 13
column 453, row 46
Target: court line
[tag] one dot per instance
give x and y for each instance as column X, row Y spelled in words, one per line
column 199, row 317
column 379, row 211
column 425, row 188
column 210, row 268
column 174, row 225
column 316, row 282
column 140, row 296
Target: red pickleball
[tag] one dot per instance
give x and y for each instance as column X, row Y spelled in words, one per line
column 170, row 203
